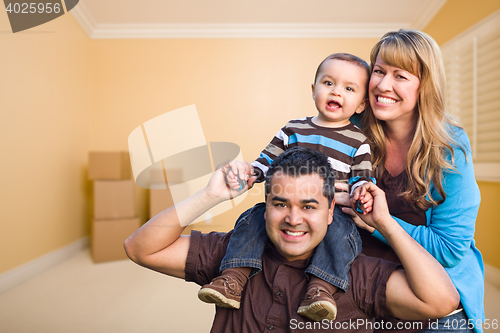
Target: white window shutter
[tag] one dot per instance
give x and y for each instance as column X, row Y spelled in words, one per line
column 472, row 65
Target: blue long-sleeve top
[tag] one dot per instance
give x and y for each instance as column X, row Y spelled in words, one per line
column 449, row 233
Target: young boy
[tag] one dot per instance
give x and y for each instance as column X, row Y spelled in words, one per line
column 339, row 91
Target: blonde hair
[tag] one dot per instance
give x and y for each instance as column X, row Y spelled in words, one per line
column 417, row 53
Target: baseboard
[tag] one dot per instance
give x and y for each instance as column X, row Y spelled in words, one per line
column 25, row 272
column 492, row 275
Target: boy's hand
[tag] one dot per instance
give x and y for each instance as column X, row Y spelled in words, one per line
column 362, row 199
column 218, row 188
column 238, row 175
column 379, row 216
column 343, row 199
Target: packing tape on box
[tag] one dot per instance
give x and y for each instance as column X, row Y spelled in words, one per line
column 171, row 151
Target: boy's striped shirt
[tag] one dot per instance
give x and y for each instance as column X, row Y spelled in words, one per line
column 347, row 149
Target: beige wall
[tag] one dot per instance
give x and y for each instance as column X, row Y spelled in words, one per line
column 244, row 90
column 455, row 17
column 488, row 224
column 45, row 104
column 65, row 95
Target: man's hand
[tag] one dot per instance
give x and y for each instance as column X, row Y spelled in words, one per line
column 238, row 174
column 342, row 197
column 223, row 184
column 423, row 289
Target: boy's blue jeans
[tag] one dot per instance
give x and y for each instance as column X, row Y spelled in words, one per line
column 331, row 261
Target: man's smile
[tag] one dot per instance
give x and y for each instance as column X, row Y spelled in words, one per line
column 294, row 234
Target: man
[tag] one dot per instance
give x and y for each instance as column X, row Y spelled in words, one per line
column 299, row 207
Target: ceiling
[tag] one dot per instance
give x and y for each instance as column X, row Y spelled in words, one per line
column 257, row 18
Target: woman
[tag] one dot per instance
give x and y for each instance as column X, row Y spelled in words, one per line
column 424, row 164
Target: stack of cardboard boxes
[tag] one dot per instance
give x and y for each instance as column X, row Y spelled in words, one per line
column 114, row 204
column 160, row 198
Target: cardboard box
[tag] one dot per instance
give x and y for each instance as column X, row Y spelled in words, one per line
column 157, row 176
column 159, row 200
column 109, row 165
column 108, row 237
column 114, row 199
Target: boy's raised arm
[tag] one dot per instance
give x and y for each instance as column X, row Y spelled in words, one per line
column 158, row 244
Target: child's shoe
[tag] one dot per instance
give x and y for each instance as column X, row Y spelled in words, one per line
column 225, row 290
column 318, row 304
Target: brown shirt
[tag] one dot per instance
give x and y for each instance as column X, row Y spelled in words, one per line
column 271, row 298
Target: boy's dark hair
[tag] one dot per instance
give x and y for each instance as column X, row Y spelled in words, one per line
column 301, row 161
column 345, row 57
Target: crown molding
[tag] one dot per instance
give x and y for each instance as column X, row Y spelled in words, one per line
column 84, row 18
column 230, row 30
column 427, row 14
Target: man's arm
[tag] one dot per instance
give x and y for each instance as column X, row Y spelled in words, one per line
column 158, row 244
column 423, row 289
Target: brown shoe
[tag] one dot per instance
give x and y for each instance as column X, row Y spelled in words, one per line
column 318, row 304
column 224, row 291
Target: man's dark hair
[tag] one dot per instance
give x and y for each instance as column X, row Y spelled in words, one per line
column 345, row 57
column 301, row 161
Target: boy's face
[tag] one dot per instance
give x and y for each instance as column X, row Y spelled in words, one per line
column 339, row 92
column 297, row 214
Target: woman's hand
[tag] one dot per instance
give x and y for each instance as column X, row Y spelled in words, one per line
column 357, row 220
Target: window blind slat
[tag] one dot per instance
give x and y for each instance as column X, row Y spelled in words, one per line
column 489, row 65
column 489, row 126
column 488, row 136
column 489, row 43
column 489, row 108
column 487, row 96
column 487, row 157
